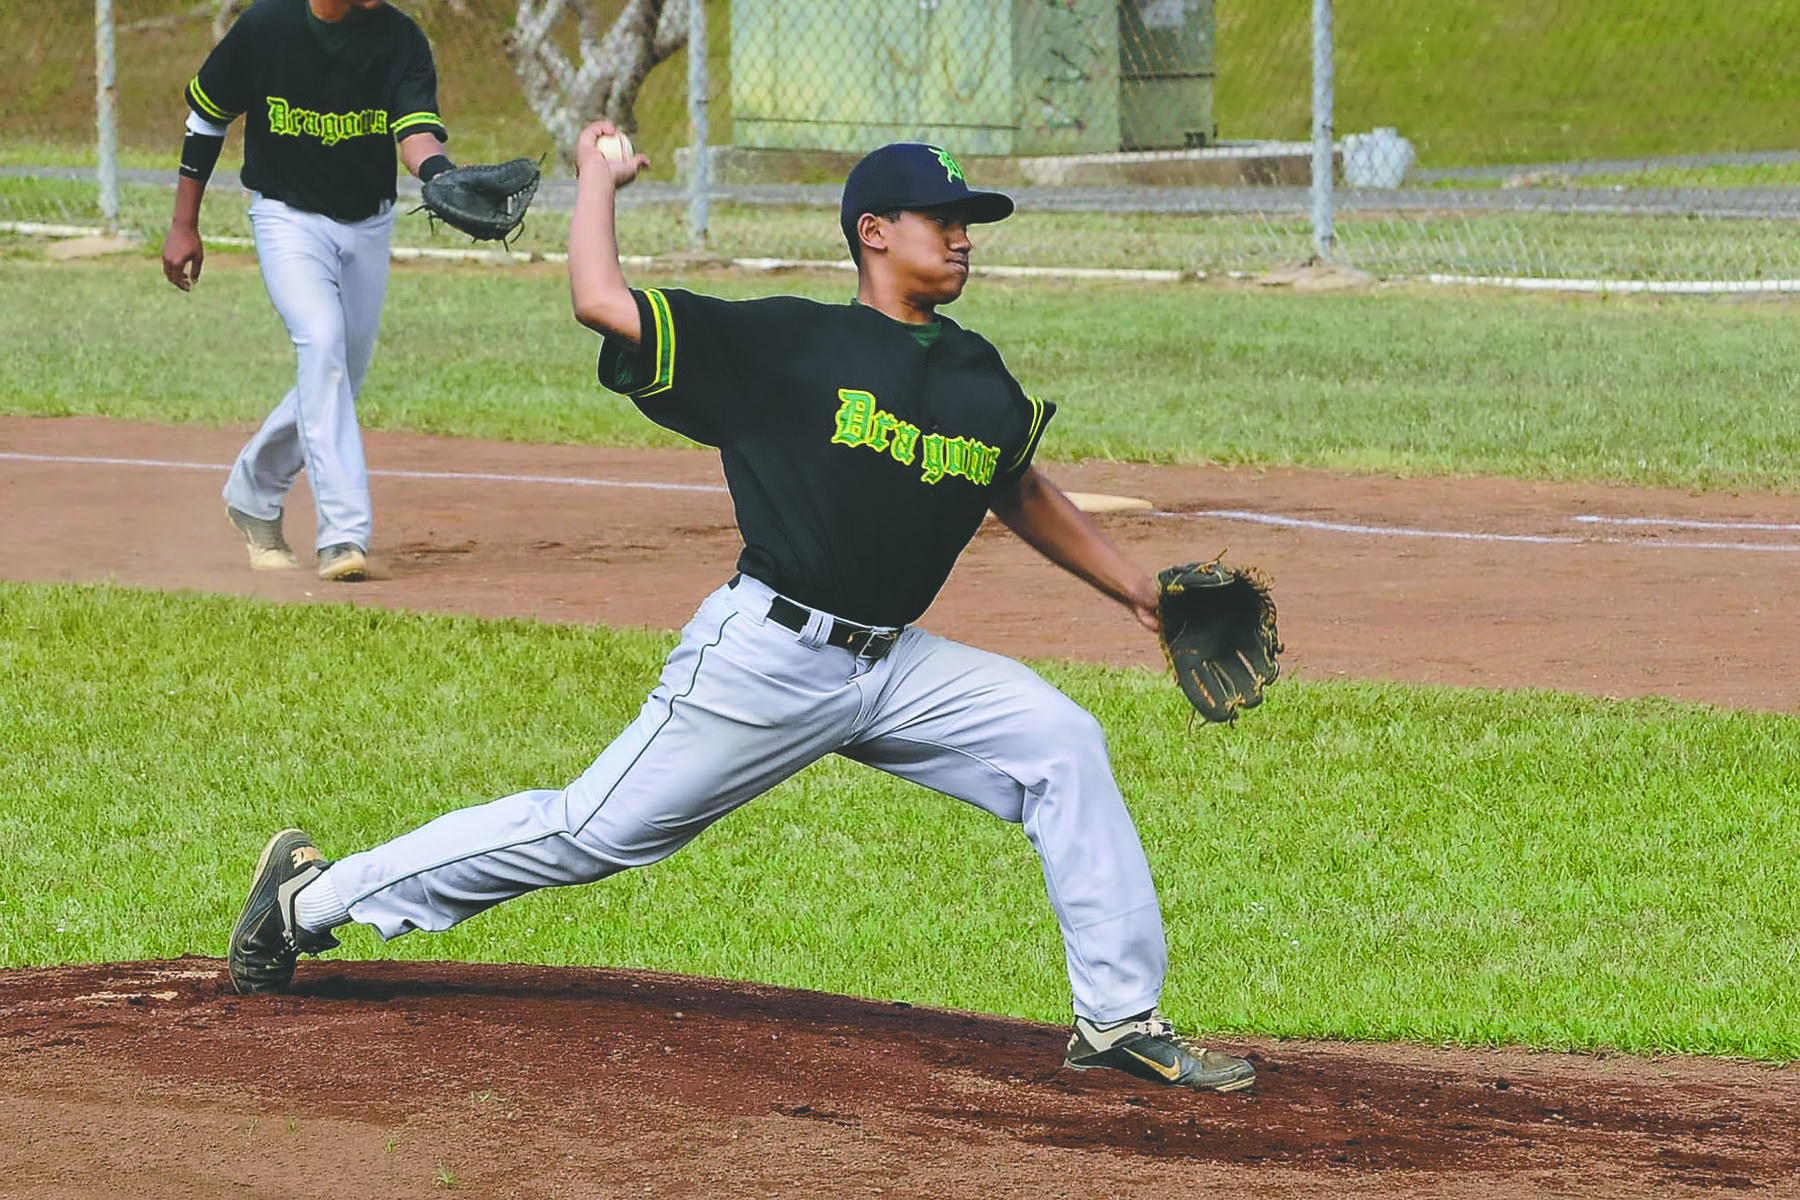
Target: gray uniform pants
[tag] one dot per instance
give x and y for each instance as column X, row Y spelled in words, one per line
column 327, row 280
column 745, row 702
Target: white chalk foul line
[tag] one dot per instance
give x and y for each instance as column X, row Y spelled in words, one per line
column 1538, row 539
column 1684, row 523
column 1233, row 514
column 1224, row 514
column 564, row 480
column 569, row 480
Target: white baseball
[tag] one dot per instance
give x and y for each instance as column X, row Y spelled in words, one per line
column 615, row 146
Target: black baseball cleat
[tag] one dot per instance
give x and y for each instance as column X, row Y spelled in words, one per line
column 1148, row 1047
column 267, row 940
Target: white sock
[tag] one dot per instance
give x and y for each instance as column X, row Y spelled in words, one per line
column 317, row 907
column 1102, row 1037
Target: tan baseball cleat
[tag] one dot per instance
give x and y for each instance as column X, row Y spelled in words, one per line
column 269, row 550
column 343, row 563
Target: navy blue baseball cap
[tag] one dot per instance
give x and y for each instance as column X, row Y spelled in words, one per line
column 914, row 176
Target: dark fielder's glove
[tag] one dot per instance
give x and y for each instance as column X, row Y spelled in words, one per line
column 1218, row 630
column 484, row 200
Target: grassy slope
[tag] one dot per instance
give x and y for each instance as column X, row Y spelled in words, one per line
column 1470, row 82
column 1477, row 81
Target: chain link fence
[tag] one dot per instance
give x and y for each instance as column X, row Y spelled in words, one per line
column 1576, row 141
column 1605, row 143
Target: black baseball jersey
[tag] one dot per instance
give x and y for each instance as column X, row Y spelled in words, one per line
column 860, row 461
column 320, row 124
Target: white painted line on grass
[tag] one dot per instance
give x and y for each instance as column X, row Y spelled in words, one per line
column 646, row 261
column 1655, row 287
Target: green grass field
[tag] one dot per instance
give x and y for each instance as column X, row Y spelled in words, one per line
column 1690, row 393
column 1357, row 860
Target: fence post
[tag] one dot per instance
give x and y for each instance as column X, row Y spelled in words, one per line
column 700, row 169
column 1324, row 235
column 108, row 138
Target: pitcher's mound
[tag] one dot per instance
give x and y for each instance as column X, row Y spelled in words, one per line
column 422, row 1079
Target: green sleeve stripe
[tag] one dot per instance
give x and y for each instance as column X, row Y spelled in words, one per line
column 418, row 118
column 1031, row 436
column 664, row 332
column 206, row 105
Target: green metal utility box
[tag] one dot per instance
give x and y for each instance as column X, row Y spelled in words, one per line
column 1166, row 53
column 984, row 77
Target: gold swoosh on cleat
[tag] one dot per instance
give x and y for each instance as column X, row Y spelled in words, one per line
column 1169, row 1073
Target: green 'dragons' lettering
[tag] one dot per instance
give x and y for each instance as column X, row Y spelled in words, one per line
column 329, row 128
column 861, row 422
column 966, row 457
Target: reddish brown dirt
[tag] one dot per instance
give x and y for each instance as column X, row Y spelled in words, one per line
column 396, row 1079
column 386, row 1079
column 1627, row 618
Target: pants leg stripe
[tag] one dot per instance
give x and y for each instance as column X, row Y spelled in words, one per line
column 693, row 681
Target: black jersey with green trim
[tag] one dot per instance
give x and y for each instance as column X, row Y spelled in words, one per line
column 320, row 126
column 860, row 462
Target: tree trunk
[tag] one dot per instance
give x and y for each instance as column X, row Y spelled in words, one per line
column 614, row 62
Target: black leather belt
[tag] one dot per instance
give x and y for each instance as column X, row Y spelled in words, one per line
column 864, row 641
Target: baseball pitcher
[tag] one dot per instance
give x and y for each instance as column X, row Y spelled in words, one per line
column 863, row 443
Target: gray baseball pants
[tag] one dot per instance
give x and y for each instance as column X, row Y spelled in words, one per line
column 327, row 280
column 742, row 704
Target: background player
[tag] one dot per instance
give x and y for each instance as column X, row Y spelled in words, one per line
column 863, row 445
column 326, row 89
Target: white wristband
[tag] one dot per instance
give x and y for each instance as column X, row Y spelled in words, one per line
column 205, row 128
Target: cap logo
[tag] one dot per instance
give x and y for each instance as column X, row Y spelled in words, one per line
column 952, row 172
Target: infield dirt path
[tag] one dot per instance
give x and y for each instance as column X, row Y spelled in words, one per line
column 381, row 1079
column 1477, row 582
